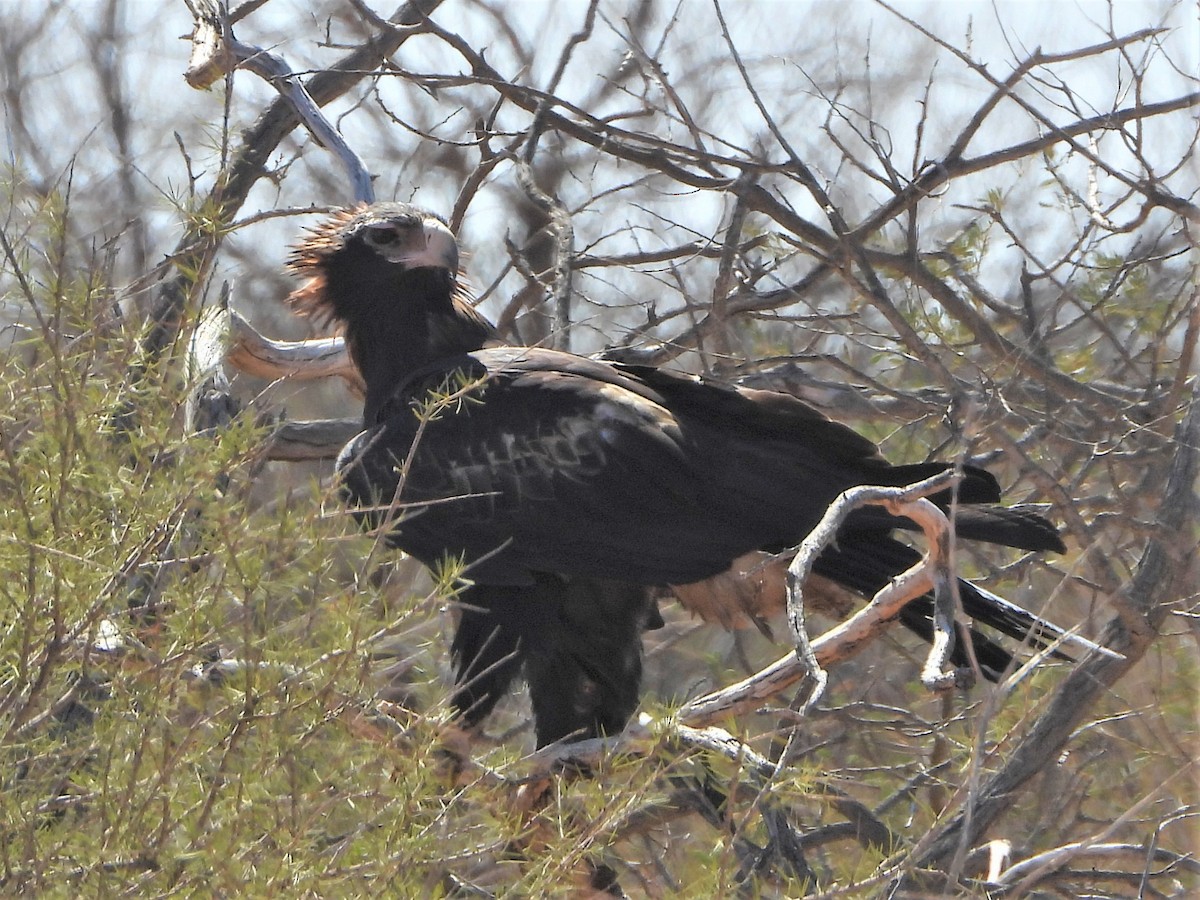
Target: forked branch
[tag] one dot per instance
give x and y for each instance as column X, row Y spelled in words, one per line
column 933, row 572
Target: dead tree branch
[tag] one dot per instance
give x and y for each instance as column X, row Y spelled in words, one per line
column 250, row 352
column 197, row 246
column 849, row 637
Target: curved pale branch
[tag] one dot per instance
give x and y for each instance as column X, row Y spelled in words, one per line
column 846, row 639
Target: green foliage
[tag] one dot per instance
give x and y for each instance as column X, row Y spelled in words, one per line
column 171, row 714
column 203, row 694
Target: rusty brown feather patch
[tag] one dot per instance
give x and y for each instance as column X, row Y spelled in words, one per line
column 308, row 258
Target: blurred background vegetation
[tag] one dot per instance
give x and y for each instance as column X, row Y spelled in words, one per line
column 965, row 229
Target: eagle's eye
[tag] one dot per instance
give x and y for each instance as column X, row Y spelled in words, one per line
column 382, row 235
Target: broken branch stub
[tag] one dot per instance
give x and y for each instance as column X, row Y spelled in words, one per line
column 254, row 354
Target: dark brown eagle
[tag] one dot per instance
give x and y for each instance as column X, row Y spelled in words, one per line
column 572, row 487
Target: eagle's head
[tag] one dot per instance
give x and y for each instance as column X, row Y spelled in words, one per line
column 388, row 274
column 363, row 253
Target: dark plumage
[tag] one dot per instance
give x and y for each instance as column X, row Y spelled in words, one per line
column 571, row 486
